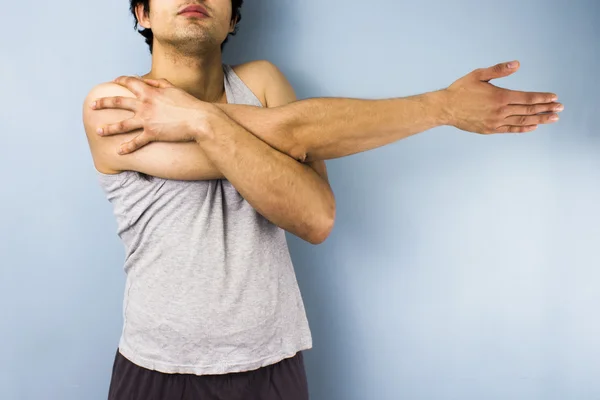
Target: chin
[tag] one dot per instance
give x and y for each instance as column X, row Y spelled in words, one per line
column 194, row 44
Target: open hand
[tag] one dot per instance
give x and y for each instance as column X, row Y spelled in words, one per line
column 163, row 111
column 475, row 105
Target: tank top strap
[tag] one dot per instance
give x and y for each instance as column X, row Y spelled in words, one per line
column 236, row 90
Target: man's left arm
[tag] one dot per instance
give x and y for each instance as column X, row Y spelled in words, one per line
column 295, row 196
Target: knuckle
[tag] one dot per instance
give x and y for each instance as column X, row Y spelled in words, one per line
column 522, row 120
column 531, row 110
column 145, row 96
column 502, row 98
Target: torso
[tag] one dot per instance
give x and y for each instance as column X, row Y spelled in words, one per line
column 211, row 288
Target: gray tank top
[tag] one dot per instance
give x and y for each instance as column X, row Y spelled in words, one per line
column 210, row 284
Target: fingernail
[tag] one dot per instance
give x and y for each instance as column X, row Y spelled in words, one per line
column 100, row 131
column 554, row 118
column 511, row 65
column 94, row 104
column 559, row 108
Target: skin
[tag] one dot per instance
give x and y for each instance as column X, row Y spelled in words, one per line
column 352, row 125
column 173, row 122
column 295, row 196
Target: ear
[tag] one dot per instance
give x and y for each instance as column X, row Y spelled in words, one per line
column 143, row 16
column 232, row 25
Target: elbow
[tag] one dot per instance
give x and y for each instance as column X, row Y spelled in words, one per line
column 299, row 154
column 322, row 227
column 297, row 148
column 297, row 151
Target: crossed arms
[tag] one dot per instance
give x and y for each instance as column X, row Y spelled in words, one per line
column 274, row 156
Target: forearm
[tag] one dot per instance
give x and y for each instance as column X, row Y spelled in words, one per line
column 327, row 128
column 288, row 193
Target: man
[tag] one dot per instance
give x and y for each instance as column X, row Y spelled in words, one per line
column 218, row 163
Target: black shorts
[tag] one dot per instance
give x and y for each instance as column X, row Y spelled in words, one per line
column 285, row 380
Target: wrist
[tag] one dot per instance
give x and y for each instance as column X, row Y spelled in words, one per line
column 441, row 106
column 202, row 122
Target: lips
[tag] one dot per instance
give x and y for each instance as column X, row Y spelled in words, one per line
column 194, row 9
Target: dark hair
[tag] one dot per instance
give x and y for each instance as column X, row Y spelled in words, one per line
column 236, row 14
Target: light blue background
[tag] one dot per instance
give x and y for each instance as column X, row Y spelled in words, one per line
column 461, row 266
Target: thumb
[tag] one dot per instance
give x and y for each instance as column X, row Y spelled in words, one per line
column 497, row 71
column 159, row 83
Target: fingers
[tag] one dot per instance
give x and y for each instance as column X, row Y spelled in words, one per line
column 135, row 85
column 497, row 71
column 532, row 109
column 117, row 102
column 516, row 129
column 517, row 97
column 526, row 120
column 125, row 126
column 533, row 114
column 135, row 144
column 159, row 83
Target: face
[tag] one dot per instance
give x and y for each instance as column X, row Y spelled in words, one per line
column 189, row 32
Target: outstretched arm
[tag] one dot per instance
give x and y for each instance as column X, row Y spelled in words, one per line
column 326, row 128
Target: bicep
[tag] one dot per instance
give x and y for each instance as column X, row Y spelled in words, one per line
column 181, row 161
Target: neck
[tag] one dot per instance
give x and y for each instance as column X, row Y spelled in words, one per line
column 201, row 75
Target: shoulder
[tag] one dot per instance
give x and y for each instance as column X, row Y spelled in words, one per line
column 102, row 148
column 106, row 89
column 267, row 82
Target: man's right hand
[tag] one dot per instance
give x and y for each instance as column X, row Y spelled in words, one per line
column 473, row 104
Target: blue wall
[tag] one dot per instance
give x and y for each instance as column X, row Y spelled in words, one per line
column 461, row 266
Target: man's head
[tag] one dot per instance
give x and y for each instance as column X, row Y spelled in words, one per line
column 162, row 20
